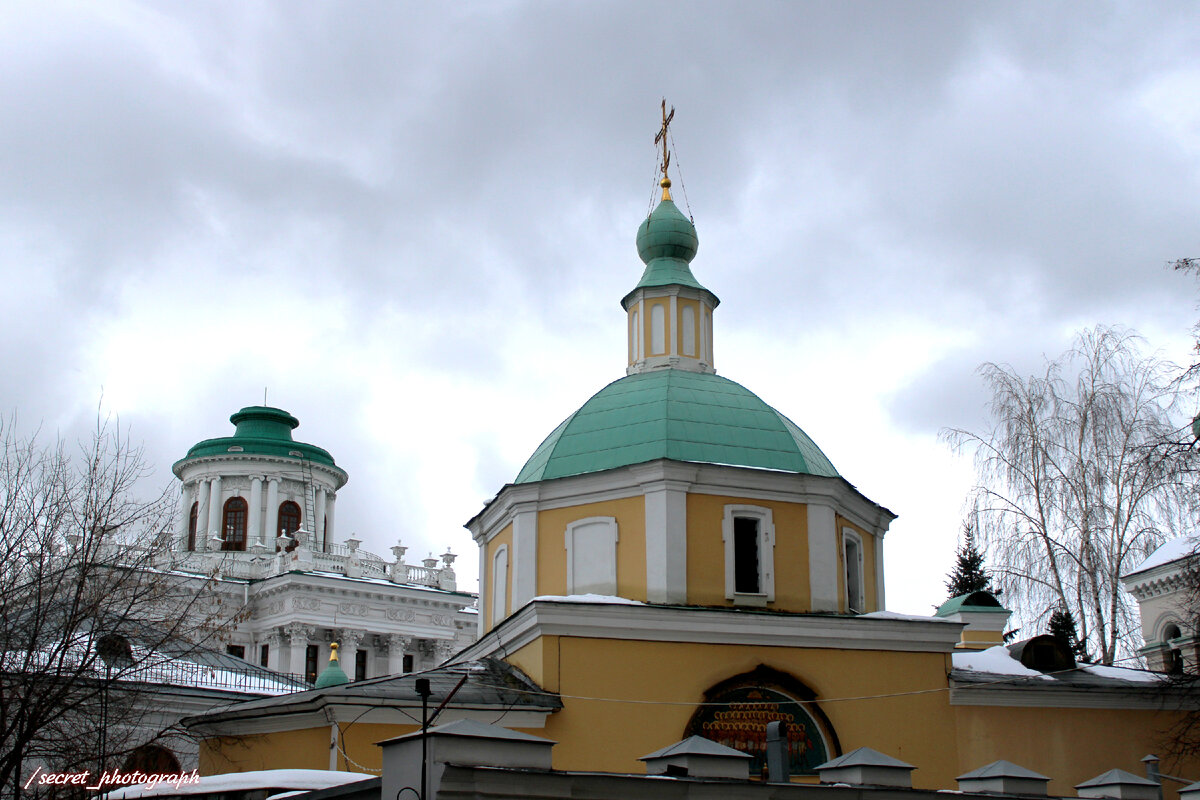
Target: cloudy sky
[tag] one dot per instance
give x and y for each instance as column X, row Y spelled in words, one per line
column 413, row 223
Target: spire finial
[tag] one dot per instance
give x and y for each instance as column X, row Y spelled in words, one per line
column 661, row 136
column 333, row 648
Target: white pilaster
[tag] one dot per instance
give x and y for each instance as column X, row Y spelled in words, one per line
column 524, row 555
column 202, row 517
column 879, row 598
column 483, row 592
column 330, row 501
column 271, row 525
column 666, row 542
column 214, row 511
column 320, row 544
column 254, row 534
column 673, row 342
column 823, row 558
column 185, row 515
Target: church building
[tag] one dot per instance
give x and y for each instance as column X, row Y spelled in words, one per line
column 679, row 558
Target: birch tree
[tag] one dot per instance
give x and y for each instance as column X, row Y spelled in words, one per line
column 1074, row 488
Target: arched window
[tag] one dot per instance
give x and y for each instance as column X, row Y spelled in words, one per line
column 658, row 329
column 1172, row 659
column 289, row 521
column 151, row 758
column 233, row 524
column 193, row 519
column 289, row 518
column 688, row 331
column 500, row 584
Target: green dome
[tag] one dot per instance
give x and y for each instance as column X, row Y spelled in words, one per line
column 260, row 430
column 332, row 675
column 675, row 414
column 666, row 242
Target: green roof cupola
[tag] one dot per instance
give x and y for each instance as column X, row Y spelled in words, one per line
column 669, row 311
column 332, row 675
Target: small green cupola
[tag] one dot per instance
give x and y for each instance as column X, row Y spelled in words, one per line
column 332, row 675
column 669, row 312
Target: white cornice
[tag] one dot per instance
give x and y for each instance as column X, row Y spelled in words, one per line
column 711, row 479
column 316, row 714
column 713, row 626
column 1047, row 694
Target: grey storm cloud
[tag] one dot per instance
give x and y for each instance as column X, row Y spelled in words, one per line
column 998, row 172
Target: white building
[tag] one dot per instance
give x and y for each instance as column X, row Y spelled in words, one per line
column 258, row 512
column 1165, row 588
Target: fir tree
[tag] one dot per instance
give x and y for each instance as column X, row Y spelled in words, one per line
column 969, row 574
column 1062, row 628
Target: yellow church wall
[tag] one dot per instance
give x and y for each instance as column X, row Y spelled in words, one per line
column 611, row 736
column 501, row 539
column 870, row 595
column 1068, row 745
column 630, row 514
column 706, row 551
column 305, row 748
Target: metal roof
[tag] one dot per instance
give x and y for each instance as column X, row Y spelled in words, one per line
column 679, row 415
column 490, row 683
column 260, row 430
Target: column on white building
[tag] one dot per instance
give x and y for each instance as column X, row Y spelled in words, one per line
column 254, row 533
column 202, row 517
column 397, row 646
column 185, row 514
column 329, row 503
column 271, row 526
column 274, row 642
column 318, row 525
column 348, row 649
column 214, row 510
column 298, row 635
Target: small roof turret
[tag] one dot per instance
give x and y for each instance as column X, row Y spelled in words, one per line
column 332, row 675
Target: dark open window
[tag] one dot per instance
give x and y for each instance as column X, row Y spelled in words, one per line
column 193, row 519
column 360, row 665
column 745, row 556
column 1173, row 659
column 408, row 663
column 289, row 519
column 233, row 524
column 311, row 654
column 263, row 652
column 238, row 650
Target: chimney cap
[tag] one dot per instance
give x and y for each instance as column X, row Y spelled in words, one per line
column 1002, row 769
column 696, row 746
column 864, row 757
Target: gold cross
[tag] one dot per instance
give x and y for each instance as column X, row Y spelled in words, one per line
column 662, row 137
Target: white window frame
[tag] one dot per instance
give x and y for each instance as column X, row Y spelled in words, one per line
column 597, row 526
column 499, row 589
column 766, row 555
column 854, row 604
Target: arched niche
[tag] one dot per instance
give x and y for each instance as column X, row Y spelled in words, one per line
column 735, row 713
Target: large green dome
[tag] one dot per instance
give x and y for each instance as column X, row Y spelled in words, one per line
column 675, row 414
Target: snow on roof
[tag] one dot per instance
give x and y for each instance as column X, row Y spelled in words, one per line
column 908, row 617
column 589, row 598
column 1171, row 551
column 1123, row 673
column 996, row 661
column 243, row 781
